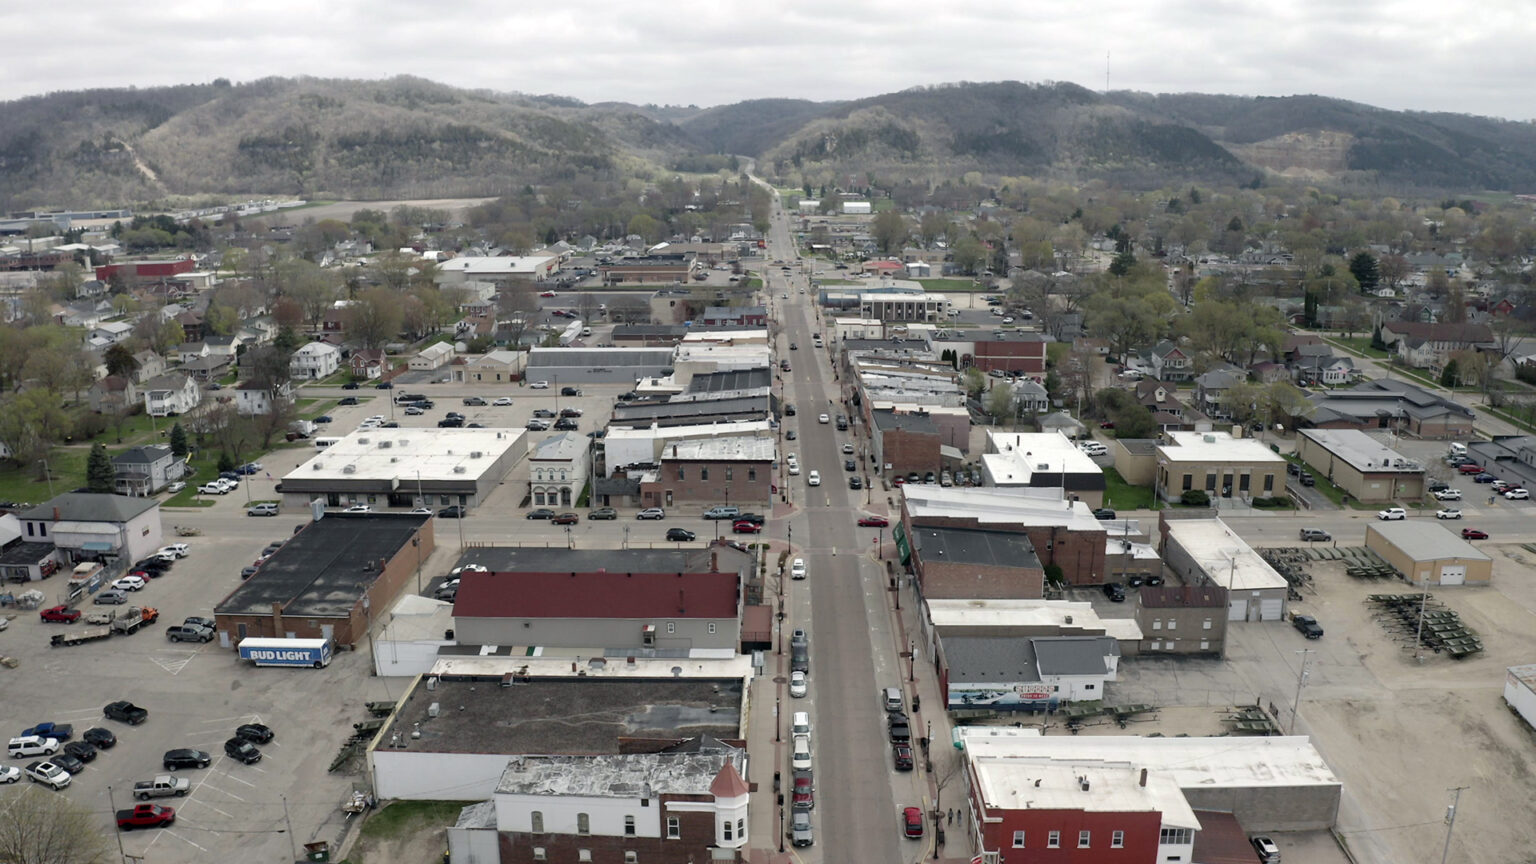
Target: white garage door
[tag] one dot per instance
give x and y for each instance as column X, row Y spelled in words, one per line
column 1272, row 609
column 1238, row 611
column 1453, row 575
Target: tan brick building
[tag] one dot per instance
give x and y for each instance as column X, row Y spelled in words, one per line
column 736, row 470
column 1363, row 467
column 1220, row 465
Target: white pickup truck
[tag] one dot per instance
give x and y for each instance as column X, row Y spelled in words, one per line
column 163, row 786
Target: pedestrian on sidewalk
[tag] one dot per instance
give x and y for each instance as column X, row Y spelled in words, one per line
column 951, row 815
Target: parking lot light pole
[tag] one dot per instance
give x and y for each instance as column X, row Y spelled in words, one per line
column 1301, row 678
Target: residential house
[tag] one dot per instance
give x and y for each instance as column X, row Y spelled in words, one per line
column 192, row 325
column 207, row 368
column 112, row 394
column 366, row 363
column 223, row 346
column 145, row 470
column 313, row 361
column 1318, row 363
column 171, row 394
column 150, row 365
column 1167, row 411
column 253, row 398
column 1182, row 619
column 1169, row 362
column 1211, row 388
column 432, row 357
column 85, row 526
column 1430, row 345
column 189, row 351
column 108, row 333
column 492, row 367
column 1031, row 396
column 86, row 313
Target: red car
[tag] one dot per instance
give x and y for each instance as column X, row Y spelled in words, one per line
column 745, row 527
column 145, row 816
column 1473, row 534
column 912, row 822
column 61, row 614
column 874, row 522
column 566, row 519
column 546, row 293
column 1470, row 468
column 902, row 753
column 805, row 794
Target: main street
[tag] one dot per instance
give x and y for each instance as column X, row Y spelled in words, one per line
column 842, row 604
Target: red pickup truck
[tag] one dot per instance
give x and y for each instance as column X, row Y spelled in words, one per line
column 145, row 816
column 61, row 614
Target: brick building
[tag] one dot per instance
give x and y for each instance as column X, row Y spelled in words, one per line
column 1183, row 619
column 327, row 579
column 1061, row 533
column 905, row 443
column 671, row 808
column 737, row 470
column 963, row 563
column 137, row 273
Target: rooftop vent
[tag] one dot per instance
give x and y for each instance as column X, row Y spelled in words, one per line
column 476, row 454
column 386, row 444
column 459, row 469
column 349, row 469
column 363, row 441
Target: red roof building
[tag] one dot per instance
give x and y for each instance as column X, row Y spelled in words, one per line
column 599, row 610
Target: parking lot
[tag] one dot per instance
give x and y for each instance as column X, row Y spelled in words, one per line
column 196, row 695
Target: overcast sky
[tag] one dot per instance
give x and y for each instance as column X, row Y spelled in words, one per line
column 1473, row 57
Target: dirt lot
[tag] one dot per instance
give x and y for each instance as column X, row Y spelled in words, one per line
column 1399, row 732
column 343, row 210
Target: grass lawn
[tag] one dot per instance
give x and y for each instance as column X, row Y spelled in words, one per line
column 397, row 818
column 1120, row 495
column 1358, row 345
column 939, row 286
column 753, row 283
column 25, row 483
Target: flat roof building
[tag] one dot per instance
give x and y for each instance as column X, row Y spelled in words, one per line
column 407, row 467
column 961, row 562
column 324, row 581
column 1064, row 533
column 1219, row 465
column 1042, row 459
column 484, row 268
column 1363, row 467
column 1204, row 551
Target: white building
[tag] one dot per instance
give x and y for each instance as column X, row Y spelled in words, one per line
column 558, row 469
column 411, row 636
column 1520, row 691
column 314, row 360
column 1042, row 459
column 253, row 399
column 170, row 395
column 499, row 268
column 857, row 208
column 86, row 525
column 625, row 447
column 407, row 468
column 888, row 306
column 432, row 357
column 109, row 333
column 1207, row 552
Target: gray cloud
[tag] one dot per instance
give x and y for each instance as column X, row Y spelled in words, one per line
column 1409, row 54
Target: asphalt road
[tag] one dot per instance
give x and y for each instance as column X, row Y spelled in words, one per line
column 842, row 604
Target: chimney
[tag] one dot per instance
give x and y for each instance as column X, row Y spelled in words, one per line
column 714, row 560
column 1143, row 778
column 674, row 451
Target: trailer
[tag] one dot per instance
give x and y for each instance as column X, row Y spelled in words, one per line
column 261, row 651
column 80, row 637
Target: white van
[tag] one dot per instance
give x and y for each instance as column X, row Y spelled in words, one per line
column 801, row 724
column 802, row 753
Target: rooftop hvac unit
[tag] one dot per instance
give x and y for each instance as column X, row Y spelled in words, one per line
column 394, row 458
column 364, row 441
column 1210, row 439
column 349, row 469
column 434, row 709
column 386, row 444
column 319, row 466
column 475, row 454
column 459, row 469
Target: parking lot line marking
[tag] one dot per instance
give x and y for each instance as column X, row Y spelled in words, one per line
column 238, row 780
column 221, row 720
column 172, row 666
column 185, row 840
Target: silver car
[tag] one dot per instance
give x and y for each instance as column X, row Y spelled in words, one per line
column 651, row 513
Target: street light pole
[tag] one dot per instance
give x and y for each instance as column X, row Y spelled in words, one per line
column 1301, row 678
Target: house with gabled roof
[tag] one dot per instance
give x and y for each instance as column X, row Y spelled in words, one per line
column 1169, row 362
column 1168, row 412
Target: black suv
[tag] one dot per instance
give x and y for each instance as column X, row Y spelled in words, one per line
column 570, row 391
column 679, row 535
column 186, row 758
column 566, row 424
column 1114, row 591
column 241, row 749
column 451, row 423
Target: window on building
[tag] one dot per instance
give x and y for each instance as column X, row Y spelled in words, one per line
column 674, row 828
column 1117, row 840
column 1242, row 483
column 1155, row 644
column 1210, row 482
column 680, row 472
column 1189, row 482
column 538, row 854
column 1173, row 623
column 631, row 856
column 536, row 822
column 1175, row 837
column 1269, row 482
column 1205, row 644
column 704, row 473
column 629, row 826
column 727, row 829
column 30, row 526
column 583, row 824
column 1083, row 838
column 741, row 828
column 671, row 627
column 751, row 475
column 1157, row 623
column 1018, row 839
column 583, row 854
column 730, row 473
column 711, row 628
column 1053, row 840
column 1206, row 625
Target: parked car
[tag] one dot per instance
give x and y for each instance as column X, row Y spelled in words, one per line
column 501, row 402
column 566, row 519
column 348, row 400
column 129, row 583
column 722, row 512
column 1307, row 626
column 540, row 513
column 1269, row 852
column 101, row 739
column 912, row 817
column 797, row 685
column 213, row 489
column 452, row 511
column 1392, row 514
column 1448, row 495
column 1114, row 591
column 651, row 513
column 184, row 633
column 1469, row 468
column 358, row 508
column 175, row 487
column 126, row 712
column 174, row 760
column 1473, row 534
column 110, row 597
column 242, row 750
column 1517, row 495
column 679, row 535
column 743, row 526
column 48, row 774
column 1104, row 514
column 901, row 754
column 81, row 750
column 603, row 513
column 350, row 385
column 1315, row 534
column 855, row 483
column 1448, row 513
column 60, row 614
column 254, row 732
column 264, row 509
column 566, row 424
column 570, row 391
column 539, row 385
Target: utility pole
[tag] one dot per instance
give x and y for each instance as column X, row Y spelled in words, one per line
column 1450, row 822
column 1301, row 678
column 119, row 834
column 293, row 847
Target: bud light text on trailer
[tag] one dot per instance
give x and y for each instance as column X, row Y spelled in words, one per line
column 286, row 652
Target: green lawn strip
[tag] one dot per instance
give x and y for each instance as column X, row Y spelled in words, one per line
column 941, row 285
column 398, row 818
column 1121, row 495
column 25, row 483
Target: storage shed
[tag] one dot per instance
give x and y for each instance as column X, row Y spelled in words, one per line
column 1520, row 691
column 1429, row 554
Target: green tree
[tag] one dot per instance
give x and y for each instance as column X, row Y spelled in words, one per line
column 119, row 360
column 178, row 441
column 42, row 827
column 1449, row 375
column 1366, row 271
column 1001, row 403
column 375, row 317
column 1122, row 264
column 974, row 381
column 970, row 253
column 99, row 473
column 890, row 231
